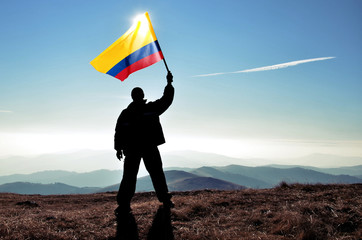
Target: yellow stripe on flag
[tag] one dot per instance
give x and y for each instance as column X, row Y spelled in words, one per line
column 139, row 35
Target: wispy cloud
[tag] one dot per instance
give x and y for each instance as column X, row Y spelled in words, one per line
column 267, row 68
column 5, row 111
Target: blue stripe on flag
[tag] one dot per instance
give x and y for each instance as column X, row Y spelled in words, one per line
column 141, row 53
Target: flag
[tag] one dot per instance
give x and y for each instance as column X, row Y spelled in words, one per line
column 136, row 49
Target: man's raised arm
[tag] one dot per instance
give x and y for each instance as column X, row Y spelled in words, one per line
column 162, row 104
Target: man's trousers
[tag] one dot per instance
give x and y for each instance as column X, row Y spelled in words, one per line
column 153, row 163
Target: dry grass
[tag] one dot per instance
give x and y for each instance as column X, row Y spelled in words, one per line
column 285, row 212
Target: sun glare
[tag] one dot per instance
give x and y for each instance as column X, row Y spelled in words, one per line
column 141, row 22
column 137, row 18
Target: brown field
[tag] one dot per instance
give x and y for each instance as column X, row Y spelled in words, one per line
column 285, row 212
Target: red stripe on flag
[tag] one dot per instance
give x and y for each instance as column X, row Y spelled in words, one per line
column 144, row 62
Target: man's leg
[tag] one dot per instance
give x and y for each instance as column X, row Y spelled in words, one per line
column 127, row 187
column 153, row 163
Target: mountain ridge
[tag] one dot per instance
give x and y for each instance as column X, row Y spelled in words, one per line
column 44, row 189
column 97, row 178
column 91, row 160
column 226, row 178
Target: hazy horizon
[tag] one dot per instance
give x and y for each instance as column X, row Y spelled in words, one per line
column 92, row 160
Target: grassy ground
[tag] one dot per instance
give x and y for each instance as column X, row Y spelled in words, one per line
column 284, row 212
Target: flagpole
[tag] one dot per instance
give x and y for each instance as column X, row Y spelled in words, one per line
column 163, row 56
column 164, row 60
column 154, row 35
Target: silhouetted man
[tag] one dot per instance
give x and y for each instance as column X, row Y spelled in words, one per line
column 138, row 133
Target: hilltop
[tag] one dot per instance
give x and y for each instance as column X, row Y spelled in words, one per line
column 293, row 211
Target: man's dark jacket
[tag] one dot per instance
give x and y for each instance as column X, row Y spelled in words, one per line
column 139, row 124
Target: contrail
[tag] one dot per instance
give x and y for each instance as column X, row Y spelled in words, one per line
column 267, row 68
column 5, row 111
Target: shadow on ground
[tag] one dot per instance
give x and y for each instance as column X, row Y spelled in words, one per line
column 161, row 228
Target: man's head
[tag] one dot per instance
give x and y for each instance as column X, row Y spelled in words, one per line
column 137, row 94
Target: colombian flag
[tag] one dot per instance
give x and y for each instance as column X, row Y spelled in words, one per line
column 136, row 49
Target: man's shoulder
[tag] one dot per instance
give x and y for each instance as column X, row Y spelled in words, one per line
column 124, row 114
column 124, row 111
column 129, row 108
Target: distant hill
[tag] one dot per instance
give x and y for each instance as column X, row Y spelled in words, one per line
column 44, row 189
column 193, row 159
column 246, row 181
column 223, row 178
column 274, row 176
column 181, row 181
column 99, row 178
column 176, row 176
column 188, row 184
column 184, row 181
column 87, row 161
column 200, row 183
column 326, row 161
column 79, row 161
column 352, row 171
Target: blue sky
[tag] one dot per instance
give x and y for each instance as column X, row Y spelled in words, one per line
column 52, row 99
